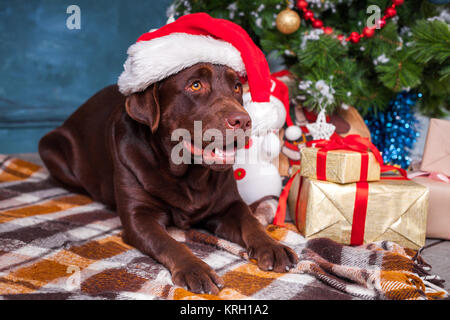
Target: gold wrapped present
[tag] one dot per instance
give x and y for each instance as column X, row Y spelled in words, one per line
column 342, row 166
column 396, row 210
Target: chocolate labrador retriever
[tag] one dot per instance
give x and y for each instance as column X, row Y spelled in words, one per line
column 118, row 150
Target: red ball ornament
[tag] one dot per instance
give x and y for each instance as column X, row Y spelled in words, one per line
column 391, row 12
column 398, row 2
column 368, row 32
column 302, row 4
column 381, row 23
column 328, row 30
column 309, row 14
column 317, row 24
column 354, row 37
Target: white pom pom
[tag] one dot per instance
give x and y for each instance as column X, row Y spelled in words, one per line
column 293, row 133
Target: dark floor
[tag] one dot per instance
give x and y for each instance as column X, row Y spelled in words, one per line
column 436, row 252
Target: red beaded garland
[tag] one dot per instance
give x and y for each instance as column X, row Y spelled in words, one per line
column 328, row 30
column 354, row 36
column 309, row 15
column 317, row 24
column 368, row 32
column 391, row 12
column 302, row 4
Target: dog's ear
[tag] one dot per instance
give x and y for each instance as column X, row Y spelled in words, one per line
column 144, row 107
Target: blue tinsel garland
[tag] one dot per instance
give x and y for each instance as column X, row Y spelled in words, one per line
column 394, row 131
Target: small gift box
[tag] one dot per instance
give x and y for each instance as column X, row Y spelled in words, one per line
column 393, row 209
column 436, row 155
column 341, row 160
column 438, row 221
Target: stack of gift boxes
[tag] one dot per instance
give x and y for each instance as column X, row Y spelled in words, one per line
column 343, row 191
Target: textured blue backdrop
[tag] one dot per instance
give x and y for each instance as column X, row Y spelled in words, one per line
column 47, row 70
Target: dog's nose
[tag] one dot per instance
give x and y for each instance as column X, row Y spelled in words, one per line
column 238, row 120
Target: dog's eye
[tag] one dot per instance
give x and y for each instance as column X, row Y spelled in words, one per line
column 237, row 87
column 196, row 86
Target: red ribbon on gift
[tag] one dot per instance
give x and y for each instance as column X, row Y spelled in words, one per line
column 359, row 213
column 361, row 200
column 353, row 143
column 280, row 214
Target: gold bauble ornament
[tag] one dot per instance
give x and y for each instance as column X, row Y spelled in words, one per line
column 288, row 21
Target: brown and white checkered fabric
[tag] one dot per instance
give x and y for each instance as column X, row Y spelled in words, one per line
column 55, row 244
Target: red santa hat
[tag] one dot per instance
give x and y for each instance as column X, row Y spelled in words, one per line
column 193, row 39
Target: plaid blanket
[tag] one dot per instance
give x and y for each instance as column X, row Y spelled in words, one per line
column 58, row 245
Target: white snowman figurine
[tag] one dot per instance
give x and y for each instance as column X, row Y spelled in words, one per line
column 255, row 169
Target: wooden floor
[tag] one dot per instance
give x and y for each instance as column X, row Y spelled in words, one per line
column 436, row 252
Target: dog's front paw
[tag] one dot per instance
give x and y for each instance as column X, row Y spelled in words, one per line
column 198, row 277
column 271, row 255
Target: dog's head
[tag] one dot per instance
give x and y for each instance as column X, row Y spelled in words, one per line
column 197, row 114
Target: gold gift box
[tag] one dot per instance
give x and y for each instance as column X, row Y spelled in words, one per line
column 342, row 166
column 396, row 211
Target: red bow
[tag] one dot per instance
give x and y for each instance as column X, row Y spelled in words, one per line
column 351, row 142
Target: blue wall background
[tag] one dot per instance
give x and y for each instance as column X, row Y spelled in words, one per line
column 47, row 70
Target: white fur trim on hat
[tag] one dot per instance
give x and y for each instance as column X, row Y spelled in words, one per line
column 154, row 60
column 266, row 116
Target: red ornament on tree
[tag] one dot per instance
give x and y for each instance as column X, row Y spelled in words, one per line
column 354, row 37
column 328, row 30
column 317, row 24
column 368, row 32
column 390, row 12
column 302, row 4
column 309, row 15
column 381, row 23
